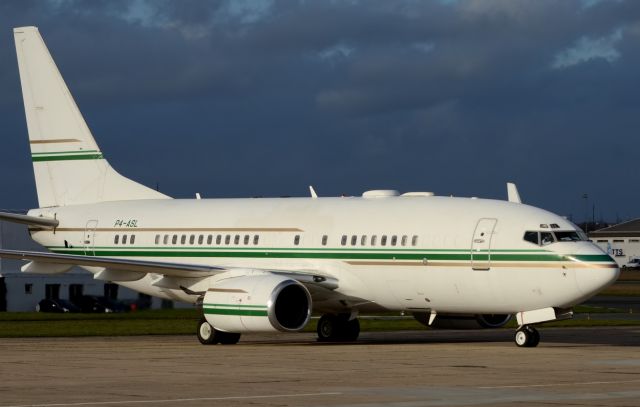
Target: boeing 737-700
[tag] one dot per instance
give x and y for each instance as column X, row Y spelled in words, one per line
column 262, row 265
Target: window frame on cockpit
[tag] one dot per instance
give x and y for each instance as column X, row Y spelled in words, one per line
column 547, row 237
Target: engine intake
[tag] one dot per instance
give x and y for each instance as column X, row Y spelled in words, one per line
column 258, row 303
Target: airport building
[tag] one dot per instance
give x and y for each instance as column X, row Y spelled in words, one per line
column 22, row 292
column 621, row 241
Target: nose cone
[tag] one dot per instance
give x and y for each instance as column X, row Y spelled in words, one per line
column 594, row 269
column 593, row 280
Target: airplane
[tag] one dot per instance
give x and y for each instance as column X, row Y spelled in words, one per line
column 267, row 264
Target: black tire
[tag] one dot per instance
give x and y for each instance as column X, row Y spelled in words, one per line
column 207, row 335
column 351, row 330
column 338, row 328
column 327, row 328
column 228, row 338
column 535, row 337
column 527, row 337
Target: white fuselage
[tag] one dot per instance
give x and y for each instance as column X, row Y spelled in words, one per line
column 455, row 255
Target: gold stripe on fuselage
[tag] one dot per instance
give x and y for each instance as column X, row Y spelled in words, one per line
column 428, row 263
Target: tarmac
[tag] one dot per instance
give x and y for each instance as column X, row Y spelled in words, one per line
column 572, row 366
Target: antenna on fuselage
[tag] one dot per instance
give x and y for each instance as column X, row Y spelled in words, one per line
column 512, row 193
column 313, row 192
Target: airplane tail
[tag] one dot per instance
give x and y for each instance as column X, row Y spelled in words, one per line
column 68, row 164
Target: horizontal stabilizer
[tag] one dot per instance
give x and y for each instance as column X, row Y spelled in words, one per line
column 29, row 220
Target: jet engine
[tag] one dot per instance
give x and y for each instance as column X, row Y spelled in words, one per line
column 464, row 321
column 257, row 303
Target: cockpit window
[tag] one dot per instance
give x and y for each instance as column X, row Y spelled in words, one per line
column 567, row 236
column 545, row 238
column 531, row 237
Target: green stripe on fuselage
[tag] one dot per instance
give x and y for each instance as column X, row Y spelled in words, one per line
column 551, row 257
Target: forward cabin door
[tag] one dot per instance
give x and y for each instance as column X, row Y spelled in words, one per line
column 88, row 240
column 481, row 244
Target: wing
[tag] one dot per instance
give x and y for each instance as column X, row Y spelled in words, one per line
column 125, row 265
column 117, row 269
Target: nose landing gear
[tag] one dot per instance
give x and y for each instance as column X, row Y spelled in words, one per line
column 527, row 337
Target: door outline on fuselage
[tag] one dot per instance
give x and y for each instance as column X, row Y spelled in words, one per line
column 481, row 243
column 88, row 238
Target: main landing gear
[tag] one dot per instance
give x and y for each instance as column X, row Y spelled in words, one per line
column 338, row 328
column 527, row 337
column 208, row 335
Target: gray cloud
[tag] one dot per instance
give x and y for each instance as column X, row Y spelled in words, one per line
column 232, row 98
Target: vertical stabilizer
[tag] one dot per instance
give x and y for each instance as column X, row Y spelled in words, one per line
column 68, row 164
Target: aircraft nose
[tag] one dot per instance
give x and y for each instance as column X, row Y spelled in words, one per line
column 593, row 280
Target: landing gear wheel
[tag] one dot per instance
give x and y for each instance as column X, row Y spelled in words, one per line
column 535, row 338
column 351, row 330
column 527, row 337
column 207, row 335
column 335, row 328
column 228, row 338
column 327, row 327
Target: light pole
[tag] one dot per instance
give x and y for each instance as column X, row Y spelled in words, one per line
column 586, row 212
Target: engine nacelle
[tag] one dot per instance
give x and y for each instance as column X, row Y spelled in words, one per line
column 257, row 303
column 464, row 321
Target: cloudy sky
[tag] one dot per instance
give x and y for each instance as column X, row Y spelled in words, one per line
column 262, row 98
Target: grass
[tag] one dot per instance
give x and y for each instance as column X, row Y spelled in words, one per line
column 628, row 285
column 156, row 322
column 183, row 322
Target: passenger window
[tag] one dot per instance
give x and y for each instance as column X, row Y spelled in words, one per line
column 532, row 237
column 236, row 239
column 404, row 240
column 546, row 238
column 165, row 240
column 383, row 240
column 343, row 241
column 414, row 240
column 209, row 239
column 246, row 239
column 354, row 240
column 192, row 239
column 227, row 239
column 394, row 240
column 296, row 240
column 324, row 240
column 157, row 239
column 133, row 239
column 200, row 239
column 374, row 239
column 116, row 239
column 218, row 239
column 183, row 239
column 363, row 240
column 255, row 239
column 174, row 239
column 124, row 239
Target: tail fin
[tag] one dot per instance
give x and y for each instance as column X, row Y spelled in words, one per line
column 68, row 165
